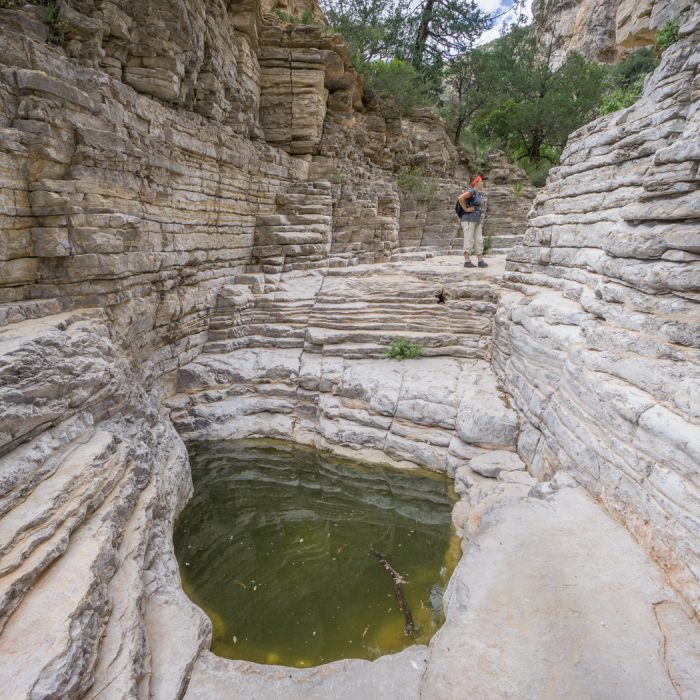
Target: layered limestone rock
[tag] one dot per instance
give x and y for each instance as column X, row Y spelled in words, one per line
column 303, row 357
column 114, row 199
column 598, row 342
column 122, row 192
column 191, row 195
column 92, row 478
column 604, row 29
column 585, row 26
column 636, row 23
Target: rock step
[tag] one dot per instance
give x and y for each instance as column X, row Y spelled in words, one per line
column 296, row 222
column 360, row 351
column 289, row 236
column 36, row 516
column 311, row 186
column 361, row 307
column 505, row 241
column 33, row 554
column 252, row 341
column 456, row 321
column 56, row 658
column 303, row 200
column 397, row 257
column 327, row 337
column 316, row 210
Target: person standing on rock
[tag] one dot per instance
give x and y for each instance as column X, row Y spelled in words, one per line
column 473, row 205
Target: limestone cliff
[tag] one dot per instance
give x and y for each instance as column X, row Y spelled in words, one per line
column 599, row 340
column 604, row 29
column 145, row 159
column 586, row 26
column 188, row 192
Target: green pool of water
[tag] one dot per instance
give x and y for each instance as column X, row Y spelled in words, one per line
column 274, row 547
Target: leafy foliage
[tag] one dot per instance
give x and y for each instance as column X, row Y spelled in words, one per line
column 538, row 172
column 626, row 80
column 621, row 98
column 402, row 349
column 538, row 106
column 56, row 23
column 513, row 94
column 398, row 84
column 414, row 180
column 434, row 30
column 423, row 33
column 636, row 65
column 369, row 27
column 306, row 18
column 668, row 34
column 468, row 78
column 510, row 93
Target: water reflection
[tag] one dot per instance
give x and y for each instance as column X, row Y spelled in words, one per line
column 274, row 546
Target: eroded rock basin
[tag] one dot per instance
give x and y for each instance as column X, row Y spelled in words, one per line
column 279, row 547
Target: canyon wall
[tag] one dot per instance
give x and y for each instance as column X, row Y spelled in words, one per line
column 188, row 192
column 598, row 342
column 152, row 154
column 161, row 148
column 604, row 29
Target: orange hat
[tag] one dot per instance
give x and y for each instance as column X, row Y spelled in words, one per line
column 475, row 180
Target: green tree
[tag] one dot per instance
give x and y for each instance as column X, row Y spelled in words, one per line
column 368, row 26
column 442, row 28
column 535, row 106
column 469, row 82
column 626, row 80
column 427, row 34
column 397, row 83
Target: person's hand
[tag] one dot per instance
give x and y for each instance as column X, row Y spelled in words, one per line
column 469, row 210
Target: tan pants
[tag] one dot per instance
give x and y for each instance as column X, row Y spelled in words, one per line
column 473, row 240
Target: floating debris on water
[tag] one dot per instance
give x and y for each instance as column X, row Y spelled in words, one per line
column 263, row 501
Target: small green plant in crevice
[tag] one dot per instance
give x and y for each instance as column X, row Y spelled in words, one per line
column 336, row 177
column 518, row 188
column 285, row 16
column 488, row 239
column 58, row 26
column 621, row 98
column 403, row 349
column 415, row 181
column 668, row 34
column 306, row 19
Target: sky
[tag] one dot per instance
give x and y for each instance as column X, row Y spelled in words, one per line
column 496, row 7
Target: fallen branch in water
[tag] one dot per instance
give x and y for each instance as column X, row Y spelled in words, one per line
column 409, row 628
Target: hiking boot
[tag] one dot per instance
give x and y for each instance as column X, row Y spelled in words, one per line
column 483, row 263
column 469, row 263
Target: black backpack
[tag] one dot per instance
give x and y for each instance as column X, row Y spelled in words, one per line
column 458, row 210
